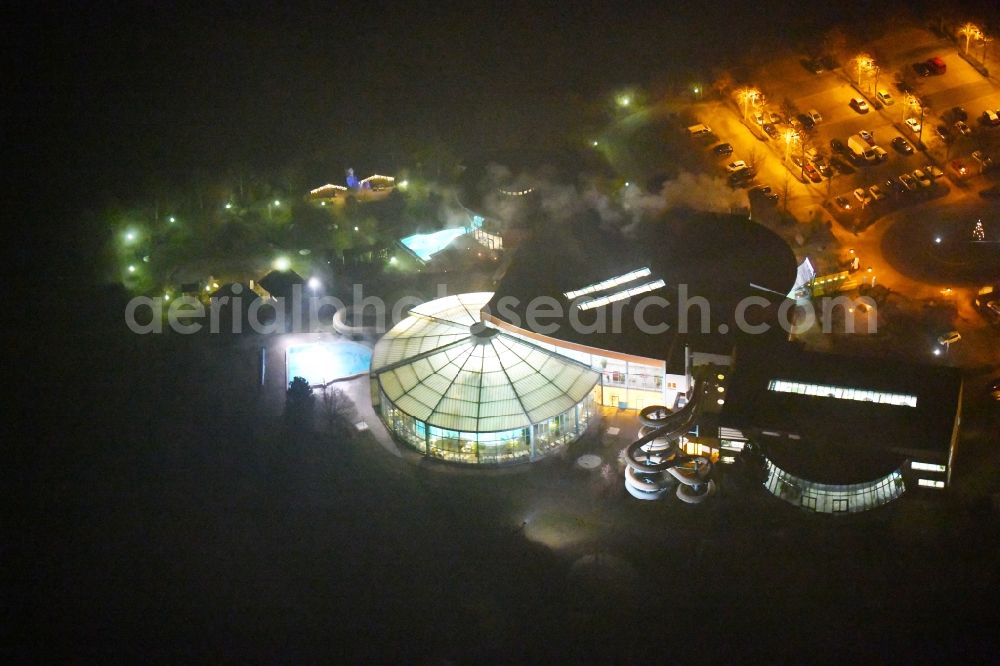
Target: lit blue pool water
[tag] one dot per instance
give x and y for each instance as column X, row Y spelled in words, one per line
column 427, row 245
column 324, row 362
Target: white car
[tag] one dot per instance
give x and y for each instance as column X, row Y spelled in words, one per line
column 949, row 338
column 913, row 124
column 738, row 165
column 758, row 117
column 933, row 171
column 884, row 97
column 815, row 115
column 861, row 194
column 876, row 192
column 922, row 178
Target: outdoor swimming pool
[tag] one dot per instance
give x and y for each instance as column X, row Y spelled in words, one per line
column 323, row 362
column 427, row 245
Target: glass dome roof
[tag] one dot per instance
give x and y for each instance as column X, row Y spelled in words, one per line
column 438, row 367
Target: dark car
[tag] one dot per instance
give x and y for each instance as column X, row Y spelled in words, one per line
column 764, row 192
column 995, row 390
column 902, row 145
column 922, row 69
column 840, row 165
column 806, row 121
column 894, row 185
column 958, row 113
column 837, row 146
column 943, row 132
column 771, row 130
column 741, row 178
column 723, row 149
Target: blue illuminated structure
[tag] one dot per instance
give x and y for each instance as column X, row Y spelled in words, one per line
column 427, row 245
column 352, row 180
column 324, row 362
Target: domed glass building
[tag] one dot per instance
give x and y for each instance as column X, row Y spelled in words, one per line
column 457, row 389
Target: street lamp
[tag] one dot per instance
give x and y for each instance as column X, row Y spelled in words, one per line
column 171, row 219
column 864, row 63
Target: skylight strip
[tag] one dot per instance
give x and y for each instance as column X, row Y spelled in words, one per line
column 842, row 393
column 621, row 295
column 608, row 284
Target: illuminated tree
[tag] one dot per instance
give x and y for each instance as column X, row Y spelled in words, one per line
column 970, row 30
column 746, row 97
column 978, row 233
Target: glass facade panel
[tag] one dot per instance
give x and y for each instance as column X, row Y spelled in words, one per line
column 829, row 498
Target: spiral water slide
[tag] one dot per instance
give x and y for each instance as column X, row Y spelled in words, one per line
column 655, row 463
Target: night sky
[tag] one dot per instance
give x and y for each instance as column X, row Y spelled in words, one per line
column 106, row 98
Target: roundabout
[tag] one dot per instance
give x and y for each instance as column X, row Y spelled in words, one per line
column 945, row 246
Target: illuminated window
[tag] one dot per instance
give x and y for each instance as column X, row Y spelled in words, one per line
column 842, row 393
column 928, row 467
column 608, row 284
column 927, row 483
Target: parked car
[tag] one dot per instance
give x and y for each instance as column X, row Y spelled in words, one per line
column 740, row 178
column 933, row 171
column 943, row 132
column 908, row 182
column 806, row 121
column 957, row 113
column 821, row 166
column 868, row 136
column 949, row 338
column 922, row 178
column 922, row 69
column 837, row 146
column 876, row 192
column 840, row 165
column 884, row 97
column 913, row 124
column 723, row 149
column 960, row 168
column 738, row 165
column 990, row 117
column 880, row 154
column 764, row 192
column 937, row 65
column 773, row 118
column 842, row 203
column 984, row 160
column 894, row 185
column 995, row 390
column 771, row 131
column 758, row 117
column 902, row 145
column 963, row 128
column 811, row 173
column 859, row 105
column 814, row 115
column 861, row 194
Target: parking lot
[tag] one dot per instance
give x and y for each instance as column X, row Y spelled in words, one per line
column 790, row 90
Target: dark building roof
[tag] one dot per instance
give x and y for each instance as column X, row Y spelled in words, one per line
column 717, row 257
column 841, row 441
column 280, row 283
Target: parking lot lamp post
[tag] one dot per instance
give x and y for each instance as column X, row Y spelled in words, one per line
column 864, row 63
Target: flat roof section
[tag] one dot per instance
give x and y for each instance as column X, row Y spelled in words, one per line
column 864, row 417
column 720, row 258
